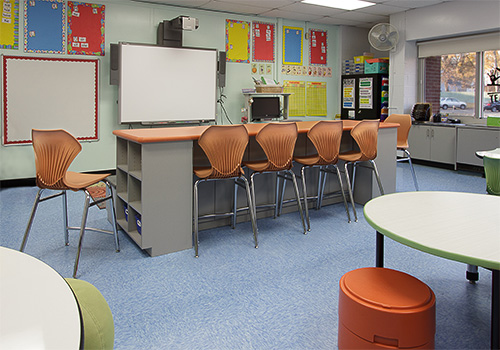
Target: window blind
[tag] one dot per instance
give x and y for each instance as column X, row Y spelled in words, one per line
column 472, row 43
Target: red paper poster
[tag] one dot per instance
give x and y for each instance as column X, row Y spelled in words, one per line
column 263, row 42
column 317, row 47
column 85, row 29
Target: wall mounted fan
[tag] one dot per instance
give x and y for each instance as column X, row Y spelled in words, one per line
column 383, row 36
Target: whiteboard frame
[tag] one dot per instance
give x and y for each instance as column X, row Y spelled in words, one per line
column 160, row 84
column 49, row 93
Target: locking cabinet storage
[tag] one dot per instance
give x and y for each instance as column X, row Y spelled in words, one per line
column 146, row 174
column 433, row 143
column 473, row 139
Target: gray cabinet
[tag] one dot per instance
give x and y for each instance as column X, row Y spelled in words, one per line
column 470, row 140
column 433, row 143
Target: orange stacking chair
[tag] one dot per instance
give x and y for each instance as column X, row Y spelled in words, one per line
column 380, row 308
column 224, row 146
column 277, row 140
column 326, row 137
column 365, row 133
column 55, row 150
column 404, row 121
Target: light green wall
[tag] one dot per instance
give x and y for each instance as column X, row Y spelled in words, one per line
column 137, row 23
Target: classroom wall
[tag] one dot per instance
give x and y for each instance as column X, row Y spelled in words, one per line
column 137, row 23
column 451, row 19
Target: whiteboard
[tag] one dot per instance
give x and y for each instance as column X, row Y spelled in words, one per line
column 162, row 84
column 49, row 93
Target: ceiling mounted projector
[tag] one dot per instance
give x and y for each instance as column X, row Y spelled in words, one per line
column 185, row 23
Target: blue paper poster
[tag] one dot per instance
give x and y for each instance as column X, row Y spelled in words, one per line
column 44, row 26
column 292, row 45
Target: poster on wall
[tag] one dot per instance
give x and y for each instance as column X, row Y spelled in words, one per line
column 348, row 93
column 85, row 29
column 316, row 99
column 297, row 100
column 9, row 27
column 292, row 45
column 263, row 42
column 366, row 93
column 317, row 47
column 237, row 41
column 44, row 26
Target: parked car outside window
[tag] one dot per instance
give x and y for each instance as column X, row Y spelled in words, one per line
column 492, row 106
column 447, row 102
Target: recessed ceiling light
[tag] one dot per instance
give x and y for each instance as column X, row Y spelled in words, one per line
column 340, row 4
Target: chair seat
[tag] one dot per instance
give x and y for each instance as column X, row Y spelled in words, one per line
column 79, row 181
column 351, row 156
column 202, row 172
column 259, row 165
column 309, row 160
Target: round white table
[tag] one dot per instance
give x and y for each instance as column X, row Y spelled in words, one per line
column 38, row 309
column 469, row 232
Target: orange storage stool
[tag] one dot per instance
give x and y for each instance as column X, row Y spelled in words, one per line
column 381, row 308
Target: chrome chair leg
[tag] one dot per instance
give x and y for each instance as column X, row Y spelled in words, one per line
column 297, row 195
column 252, row 210
column 343, row 194
column 277, row 210
column 30, row 221
column 82, row 231
column 113, row 215
column 235, row 202
column 304, row 190
column 195, row 218
column 65, row 217
column 377, row 176
column 411, row 168
column 321, row 184
column 349, row 188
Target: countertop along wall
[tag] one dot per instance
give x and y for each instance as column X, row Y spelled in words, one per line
column 137, row 23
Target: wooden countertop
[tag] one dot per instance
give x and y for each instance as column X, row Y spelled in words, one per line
column 187, row 133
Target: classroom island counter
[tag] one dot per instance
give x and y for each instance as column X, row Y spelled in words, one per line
column 154, row 181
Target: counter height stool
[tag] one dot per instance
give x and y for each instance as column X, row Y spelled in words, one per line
column 224, row 146
column 365, row 133
column 326, row 137
column 404, row 121
column 277, row 140
column 55, row 150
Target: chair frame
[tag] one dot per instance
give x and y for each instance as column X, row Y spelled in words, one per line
column 89, row 202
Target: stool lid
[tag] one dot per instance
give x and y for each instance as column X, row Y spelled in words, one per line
column 387, row 288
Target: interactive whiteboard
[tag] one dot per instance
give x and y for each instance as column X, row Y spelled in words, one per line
column 162, row 84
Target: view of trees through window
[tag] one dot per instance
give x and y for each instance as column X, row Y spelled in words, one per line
column 457, row 77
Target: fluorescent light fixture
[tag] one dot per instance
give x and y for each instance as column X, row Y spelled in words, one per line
column 340, row 4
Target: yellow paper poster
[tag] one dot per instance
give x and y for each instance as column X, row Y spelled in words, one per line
column 316, row 99
column 297, row 100
column 237, row 41
column 9, row 26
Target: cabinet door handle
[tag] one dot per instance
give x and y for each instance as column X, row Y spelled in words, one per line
column 427, row 132
column 432, row 132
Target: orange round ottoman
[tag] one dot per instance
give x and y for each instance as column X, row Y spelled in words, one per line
column 381, row 308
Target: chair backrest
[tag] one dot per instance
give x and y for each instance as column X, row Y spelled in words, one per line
column 365, row 133
column 224, row 146
column 278, row 143
column 404, row 121
column 54, row 152
column 326, row 136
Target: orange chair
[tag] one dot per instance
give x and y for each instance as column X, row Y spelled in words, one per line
column 224, row 146
column 55, row 150
column 380, row 308
column 277, row 140
column 325, row 136
column 365, row 133
column 404, row 121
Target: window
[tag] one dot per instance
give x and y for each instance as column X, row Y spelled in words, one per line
column 460, row 77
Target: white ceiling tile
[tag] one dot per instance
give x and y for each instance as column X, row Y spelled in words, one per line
column 381, row 9
column 234, row 7
column 184, row 3
column 336, row 21
column 312, row 9
column 411, row 4
column 291, row 15
column 361, row 17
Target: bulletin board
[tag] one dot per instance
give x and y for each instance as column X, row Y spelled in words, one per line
column 85, row 28
column 297, row 103
column 49, row 93
column 9, row 26
column 237, row 41
column 263, row 42
column 317, row 47
column 292, row 45
column 44, row 26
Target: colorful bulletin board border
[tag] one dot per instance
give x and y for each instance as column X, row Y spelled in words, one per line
column 9, row 27
column 317, row 47
column 292, row 45
column 44, row 26
column 263, row 35
column 85, row 29
column 237, row 41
